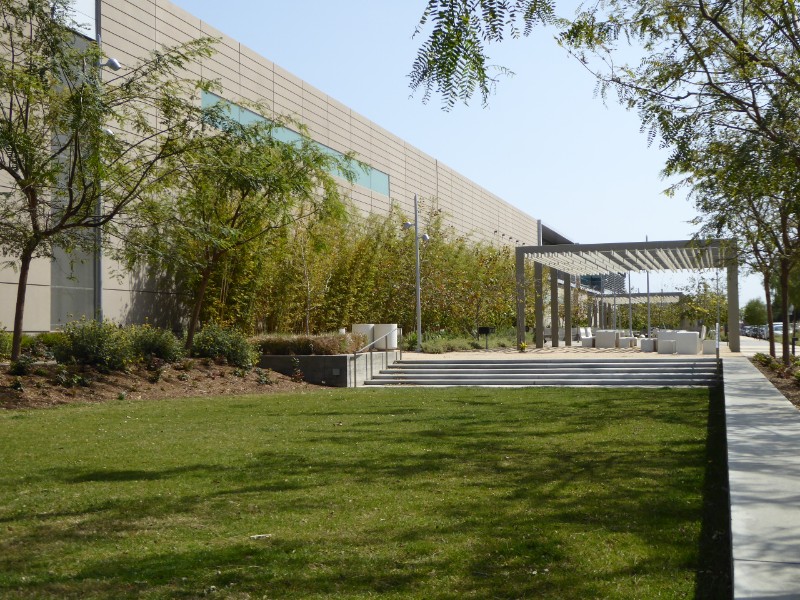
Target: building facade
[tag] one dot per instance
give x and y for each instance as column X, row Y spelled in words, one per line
column 66, row 288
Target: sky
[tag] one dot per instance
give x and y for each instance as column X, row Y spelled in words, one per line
column 545, row 143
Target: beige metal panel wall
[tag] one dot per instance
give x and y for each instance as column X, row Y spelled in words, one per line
column 37, row 296
column 131, row 29
column 134, row 28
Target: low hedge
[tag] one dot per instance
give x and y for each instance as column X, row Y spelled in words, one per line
column 301, row 345
column 218, row 343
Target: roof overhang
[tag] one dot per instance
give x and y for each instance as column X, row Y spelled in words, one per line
column 598, row 259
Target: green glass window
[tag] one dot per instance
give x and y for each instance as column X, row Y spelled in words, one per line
column 368, row 177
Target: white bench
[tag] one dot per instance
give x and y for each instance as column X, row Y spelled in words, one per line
column 688, row 342
column 606, row 338
column 666, row 346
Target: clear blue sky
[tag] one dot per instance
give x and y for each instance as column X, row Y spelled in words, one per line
column 546, row 143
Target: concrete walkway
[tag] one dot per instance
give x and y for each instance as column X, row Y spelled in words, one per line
column 764, row 474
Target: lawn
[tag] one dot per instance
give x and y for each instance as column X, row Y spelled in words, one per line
column 400, row 493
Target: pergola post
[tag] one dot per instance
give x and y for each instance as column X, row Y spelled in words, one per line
column 520, row 296
column 603, row 320
column 734, row 343
column 554, row 307
column 567, row 309
column 538, row 304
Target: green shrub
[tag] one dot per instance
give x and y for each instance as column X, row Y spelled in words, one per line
column 5, row 344
column 410, row 341
column 49, row 339
column 42, row 345
column 67, row 377
column 185, row 364
column 441, row 345
column 265, row 376
column 101, row 345
column 762, row 359
column 23, row 366
column 27, row 342
column 149, row 342
column 217, row 343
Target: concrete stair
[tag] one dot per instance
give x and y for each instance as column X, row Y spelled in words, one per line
column 605, row 372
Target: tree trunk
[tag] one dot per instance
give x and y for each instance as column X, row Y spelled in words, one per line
column 198, row 305
column 768, row 295
column 307, row 281
column 784, row 276
column 19, row 309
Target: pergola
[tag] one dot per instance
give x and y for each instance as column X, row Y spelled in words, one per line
column 622, row 298
column 565, row 260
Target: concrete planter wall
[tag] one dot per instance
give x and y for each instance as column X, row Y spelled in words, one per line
column 338, row 370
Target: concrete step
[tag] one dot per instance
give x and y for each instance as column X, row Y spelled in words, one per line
column 551, row 372
column 602, row 364
column 535, row 376
column 522, row 382
column 550, row 368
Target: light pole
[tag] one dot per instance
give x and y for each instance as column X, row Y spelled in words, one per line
column 425, row 238
column 114, row 65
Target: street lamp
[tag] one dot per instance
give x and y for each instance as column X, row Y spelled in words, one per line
column 114, row 65
column 425, row 237
column 111, row 63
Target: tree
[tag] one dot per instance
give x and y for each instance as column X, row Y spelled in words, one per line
column 229, row 193
column 755, row 312
column 702, row 303
column 66, row 172
column 746, row 191
column 708, row 71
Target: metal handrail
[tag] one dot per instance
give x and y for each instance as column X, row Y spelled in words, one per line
column 361, row 350
column 378, row 340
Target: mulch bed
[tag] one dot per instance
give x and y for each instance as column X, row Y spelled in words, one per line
column 50, row 385
column 786, row 385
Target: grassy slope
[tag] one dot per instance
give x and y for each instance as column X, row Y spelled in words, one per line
column 412, row 493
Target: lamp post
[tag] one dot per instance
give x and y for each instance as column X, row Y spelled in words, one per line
column 425, row 238
column 114, row 65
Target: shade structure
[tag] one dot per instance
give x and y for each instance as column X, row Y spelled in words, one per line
column 616, row 258
column 641, row 298
column 597, row 259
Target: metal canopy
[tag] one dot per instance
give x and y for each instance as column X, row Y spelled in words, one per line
column 640, row 297
column 596, row 259
column 654, row 298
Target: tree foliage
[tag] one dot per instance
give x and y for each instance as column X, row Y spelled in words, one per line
column 69, row 139
column 717, row 82
column 452, row 61
column 755, row 312
column 320, row 275
column 228, row 194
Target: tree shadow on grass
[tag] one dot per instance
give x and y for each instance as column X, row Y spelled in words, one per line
column 497, row 503
column 715, row 569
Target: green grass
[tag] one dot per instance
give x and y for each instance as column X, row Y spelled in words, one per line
column 412, row 493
